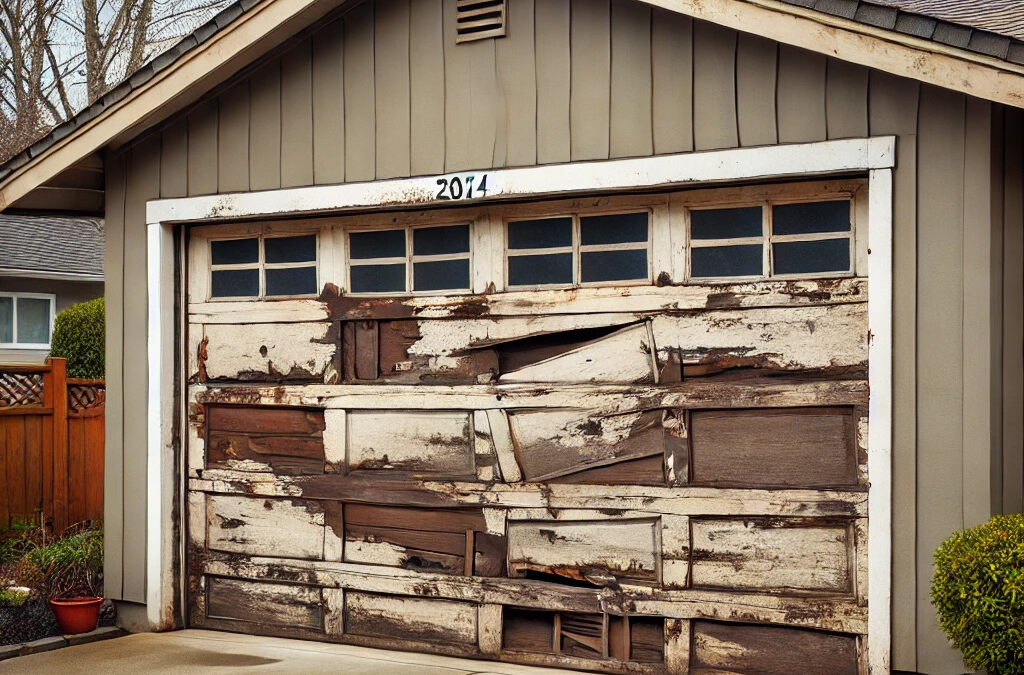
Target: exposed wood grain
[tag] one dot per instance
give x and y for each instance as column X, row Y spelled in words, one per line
column 552, row 37
column 288, row 528
column 427, row 442
column 672, row 81
column 265, row 128
column 282, row 421
column 801, row 96
column 360, row 94
column 631, row 134
column 728, row 648
column 714, row 92
column 756, row 72
column 410, row 618
column 264, row 603
column 590, row 83
column 426, row 82
column 329, row 104
column 392, row 83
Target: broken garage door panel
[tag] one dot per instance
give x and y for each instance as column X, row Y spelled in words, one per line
column 268, row 352
column 264, row 603
column 771, row 650
column 585, row 635
column 248, row 438
column 426, row 620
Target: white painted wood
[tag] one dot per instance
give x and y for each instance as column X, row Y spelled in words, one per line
column 487, row 467
column 335, row 440
column 428, row 442
column 270, row 349
column 501, row 437
column 299, row 310
column 489, row 627
column 289, row 528
column 773, row 162
column 675, row 551
column 455, row 620
column 334, row 610
column 880, row 416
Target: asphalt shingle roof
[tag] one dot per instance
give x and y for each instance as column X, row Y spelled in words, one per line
column 51, row 244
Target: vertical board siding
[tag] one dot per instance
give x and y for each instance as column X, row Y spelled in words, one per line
column 265, row 128
column 801, row 96
column 551, row 33
column 202, row 150
column 672, row 81
column 486, row 112
column 940, row 349
column 329, row 105
column 232, row 140
column 893, row 110
column 590, row 46
column 360, row 129
column 517, row 78
column 756, row 68
column 458, row 99
column 391, row 73
column 1013, row 314
column 426, row 88
column 174, row 160
column 631, row 84
column 846, row 100
column 297, row 116
column 714, row 87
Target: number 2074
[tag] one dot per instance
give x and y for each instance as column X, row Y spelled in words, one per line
column 461, row 187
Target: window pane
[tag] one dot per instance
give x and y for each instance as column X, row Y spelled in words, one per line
column 234, row 283
column 34, row 320
column 6, row 319
column 804, row 257
column 291, row 281
column 378, row 278
column 744, row 221
column 726, row 261
column 377, row 244
column 618, row 228
column 811, row 217
column 440, row 240
column 534, row 270
column 234, row 251
column 545, row 233
column 290, row 249
column 439, row 275
column 613, row 265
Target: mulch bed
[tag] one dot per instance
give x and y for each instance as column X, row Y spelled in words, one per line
column 34, row 621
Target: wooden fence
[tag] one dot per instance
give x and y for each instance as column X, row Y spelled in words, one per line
column 51, row 446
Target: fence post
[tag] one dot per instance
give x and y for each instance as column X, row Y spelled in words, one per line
column 55, row 393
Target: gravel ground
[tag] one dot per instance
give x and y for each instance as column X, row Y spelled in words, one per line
column 34, row 621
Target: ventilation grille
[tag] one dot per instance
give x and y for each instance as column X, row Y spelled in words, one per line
column 479, row 19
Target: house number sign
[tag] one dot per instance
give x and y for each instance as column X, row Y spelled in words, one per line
column 462, row 186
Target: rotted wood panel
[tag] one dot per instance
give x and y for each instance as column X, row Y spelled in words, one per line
column 417, row 619
column 722, row 648
column 289, row 528
column 264, row 603
column 266, row 352
column 424, row 442
column 285, row 441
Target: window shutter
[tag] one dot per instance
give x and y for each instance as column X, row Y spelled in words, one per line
column 479, row 19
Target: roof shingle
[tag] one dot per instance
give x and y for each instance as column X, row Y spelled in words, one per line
column 51, row 244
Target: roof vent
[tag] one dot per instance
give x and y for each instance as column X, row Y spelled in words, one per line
column 479, row 19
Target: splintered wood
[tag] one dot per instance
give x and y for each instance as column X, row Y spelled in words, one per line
column 647, row 480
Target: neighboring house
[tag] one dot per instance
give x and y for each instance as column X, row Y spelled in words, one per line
column 634, row 336
column 47, row 263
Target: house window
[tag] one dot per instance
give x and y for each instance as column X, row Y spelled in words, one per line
column 410, row 259
column 771, row 240
column 578, row 250
column 265, row 266
column 26, row 319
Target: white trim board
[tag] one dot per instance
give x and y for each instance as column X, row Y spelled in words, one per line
column 774, row 162
column 872, row 155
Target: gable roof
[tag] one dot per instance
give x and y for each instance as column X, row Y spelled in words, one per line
column 40, row 246
column 888, row 35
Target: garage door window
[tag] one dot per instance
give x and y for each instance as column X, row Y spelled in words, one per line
column 412, row 259
column 268, row 266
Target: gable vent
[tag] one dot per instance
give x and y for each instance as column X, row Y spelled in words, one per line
column 479, row 19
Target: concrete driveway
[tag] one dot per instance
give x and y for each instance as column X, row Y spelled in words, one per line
column 200, row 651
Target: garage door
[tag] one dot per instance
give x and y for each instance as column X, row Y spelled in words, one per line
column 619, row 433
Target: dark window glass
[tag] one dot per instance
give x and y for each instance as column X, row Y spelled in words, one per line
column 744, row 221
column 534, row 270
column 545, row 233
column 613, row 229
column 440, row 240
column 378, row 278
column 234, row 283
column 234, row 251
column 289, row 249
column 811, row 217
column 34, row 321
column 613, row 265
column 726, row 261
column 801, row 257
column 291, row 281
column 6, row 319
column 377, row 244
column 439, row 275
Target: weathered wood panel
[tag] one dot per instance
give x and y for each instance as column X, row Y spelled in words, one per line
column 263, row 603
column 720, row 648
column 417, row 619
column 269, row 439
column 268, row 352
column 774, row 447
column 771, row 554
column 597, row 552
column 422, row 442
column 287, row 528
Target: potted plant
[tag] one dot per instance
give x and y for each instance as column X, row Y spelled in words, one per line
column 69, row 573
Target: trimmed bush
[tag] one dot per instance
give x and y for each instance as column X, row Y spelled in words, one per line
column 978, row 590
column 79, row 335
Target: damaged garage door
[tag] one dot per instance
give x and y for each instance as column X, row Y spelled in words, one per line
column 633, row 478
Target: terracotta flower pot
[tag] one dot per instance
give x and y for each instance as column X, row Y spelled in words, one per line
column 76, row 615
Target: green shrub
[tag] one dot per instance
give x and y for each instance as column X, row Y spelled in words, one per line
column 79, row 334
column 978, row 590
column 10, row 597
column 71, row 566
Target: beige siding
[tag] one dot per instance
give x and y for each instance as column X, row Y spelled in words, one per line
column 560, row 88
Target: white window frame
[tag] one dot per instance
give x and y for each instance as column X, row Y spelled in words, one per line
column 408, row 260
column 872, row 156
column 14, row 319
column 202, row 268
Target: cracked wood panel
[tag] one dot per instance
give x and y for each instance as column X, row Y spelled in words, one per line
column 416, row 619
column 723, row 648
column 264, row 603
column 290, row 528
column 281, row 440
column 788, row 555
column 419, row 442
column 265, row 352
column 601, row 553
